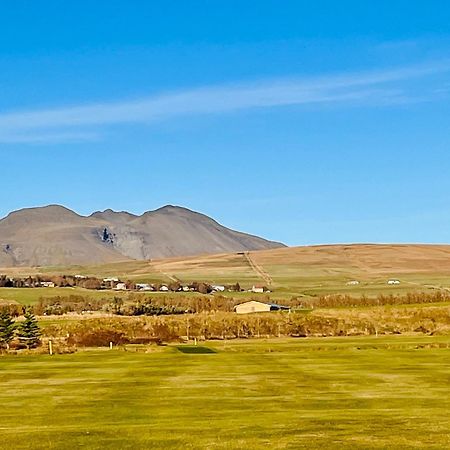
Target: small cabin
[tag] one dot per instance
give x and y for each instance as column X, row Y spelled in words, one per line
column 258, row 289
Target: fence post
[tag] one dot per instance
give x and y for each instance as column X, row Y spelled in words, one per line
column 187, row 329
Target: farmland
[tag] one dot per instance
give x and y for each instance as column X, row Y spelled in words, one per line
column 386, row 392
column 383, row 384
column 302, row 271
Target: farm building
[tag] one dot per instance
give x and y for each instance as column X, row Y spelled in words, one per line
column 121, row 287
column 258, row 289
column 144, row 287
column 254, row 307
column 110, row 280
column 352, row 283
column 393, row 282
column 218, row 288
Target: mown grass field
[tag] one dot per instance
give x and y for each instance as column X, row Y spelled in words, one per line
column 385, row 392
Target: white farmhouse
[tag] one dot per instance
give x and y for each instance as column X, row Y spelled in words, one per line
column 144, row 287
column 121, row 287
column 258, row 289
column 391, row 282
column 218, row 288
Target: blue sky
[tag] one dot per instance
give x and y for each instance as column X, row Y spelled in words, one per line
column 303, row 123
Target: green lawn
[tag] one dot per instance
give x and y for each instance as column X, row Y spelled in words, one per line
column 31, row 296
column 386, row 392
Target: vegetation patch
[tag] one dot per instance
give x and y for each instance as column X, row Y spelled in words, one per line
column 195, row 349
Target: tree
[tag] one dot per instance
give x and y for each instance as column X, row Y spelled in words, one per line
column 29, row 332
column 7, row 327
column 117, row 304
column 174, row 286
column 92, row 283
column 204, row 288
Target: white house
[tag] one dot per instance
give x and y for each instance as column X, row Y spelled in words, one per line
column 48, row 284
column 111, row 280
column 218, row 288
column 393, row 282
column 258, row 289
column 352, row 283
column 144, row 287
column 121, row 287
column 163, row 288
column 254, row 307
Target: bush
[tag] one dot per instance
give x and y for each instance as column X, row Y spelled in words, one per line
column 97, row 338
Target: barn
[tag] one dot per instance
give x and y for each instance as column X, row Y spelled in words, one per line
column 254, row 307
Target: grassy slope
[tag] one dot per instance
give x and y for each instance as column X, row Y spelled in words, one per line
column 328, row 393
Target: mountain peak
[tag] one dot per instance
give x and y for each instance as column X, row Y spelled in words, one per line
column 110, row 213
column 53, row 235
column 170, row 209
column 49, row 212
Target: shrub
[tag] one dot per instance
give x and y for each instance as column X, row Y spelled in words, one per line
column 97, row 338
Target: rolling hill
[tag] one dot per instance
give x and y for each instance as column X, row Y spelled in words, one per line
column 309, row 270
column 54, row 235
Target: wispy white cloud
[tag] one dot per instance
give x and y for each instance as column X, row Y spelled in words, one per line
column 77, row 122
column 38, row 137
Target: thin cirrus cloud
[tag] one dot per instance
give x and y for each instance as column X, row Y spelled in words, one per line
column 86, row 122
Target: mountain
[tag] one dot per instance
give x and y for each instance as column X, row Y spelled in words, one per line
column 54, row 235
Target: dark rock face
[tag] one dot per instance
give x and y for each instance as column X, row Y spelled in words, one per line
column 107, row 236
column 55, row 235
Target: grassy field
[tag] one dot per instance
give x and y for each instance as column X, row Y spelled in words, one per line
column 386, row 392
column 30, row 296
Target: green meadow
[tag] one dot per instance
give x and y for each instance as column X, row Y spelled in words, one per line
column 358, row 393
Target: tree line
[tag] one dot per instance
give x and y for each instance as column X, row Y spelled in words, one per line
column 95, row 283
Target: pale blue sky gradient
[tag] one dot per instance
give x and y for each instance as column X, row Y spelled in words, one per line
column 305, row 124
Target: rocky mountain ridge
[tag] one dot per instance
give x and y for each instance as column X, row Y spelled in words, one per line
column 56, row 235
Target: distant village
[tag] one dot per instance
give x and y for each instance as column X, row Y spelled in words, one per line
column 114, row 283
